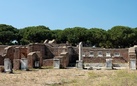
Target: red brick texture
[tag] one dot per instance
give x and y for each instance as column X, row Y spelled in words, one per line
column 48, row 62
column 32, row 57
column 16, row 64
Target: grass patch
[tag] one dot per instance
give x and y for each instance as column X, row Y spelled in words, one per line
column 70, row 77
column 93, row 75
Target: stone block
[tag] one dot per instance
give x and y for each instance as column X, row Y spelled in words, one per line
column 108, row 63
column 133, row 64
column 24, row 64
column 7, row 65
column 17, row 53
column 56, row 63
column 79, row 64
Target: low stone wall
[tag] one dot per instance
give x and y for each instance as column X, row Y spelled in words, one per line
column 103, row 65
column 100, row 62
column 88, row 65
column 94, row 60
column 120, row 65
column 119, row 60
column 103, row 60
column 48, row 62
column 122, row 52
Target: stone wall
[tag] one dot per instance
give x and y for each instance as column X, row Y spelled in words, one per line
column 32, row 58
column 2, row 48
column 1, row 60
column 72, row 54
column 16, row 64
column 58, row 50
column 48, row 62
column 122, row 53
column 9, row 53
column 92, row 58
column 37, row 47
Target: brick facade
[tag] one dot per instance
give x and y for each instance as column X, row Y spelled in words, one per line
column 45, row 53
column 48, row 62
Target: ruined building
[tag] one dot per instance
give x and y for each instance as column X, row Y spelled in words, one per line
column 49, row 53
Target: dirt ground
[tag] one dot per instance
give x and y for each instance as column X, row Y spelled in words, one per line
column 66, row 77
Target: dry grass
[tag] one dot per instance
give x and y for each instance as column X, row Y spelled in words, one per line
column 69, row 77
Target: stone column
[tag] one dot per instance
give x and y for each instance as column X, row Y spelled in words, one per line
column 109, row 63
column 56, row 63
column 80, row 51
column 79, row 63
column 7, row 65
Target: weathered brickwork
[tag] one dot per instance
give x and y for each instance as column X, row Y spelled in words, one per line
column 39, row 54
column 16, row 64
column 48, row 62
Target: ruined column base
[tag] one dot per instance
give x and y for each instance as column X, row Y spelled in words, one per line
column 109, row 64
column 56, row 63
column 79, row 64
column 133, row 64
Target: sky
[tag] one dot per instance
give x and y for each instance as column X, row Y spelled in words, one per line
column 61, row 14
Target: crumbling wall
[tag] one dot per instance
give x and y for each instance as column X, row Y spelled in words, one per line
column 2, row 48
column 48, row 52
column 9, row 53
column 1, row 60
column 32, row 58
column 37, row 47
column 72, row 54
column 96, row 60
column 48, row 62
column 16, row 64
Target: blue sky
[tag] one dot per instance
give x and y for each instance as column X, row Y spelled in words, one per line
column 61, row 14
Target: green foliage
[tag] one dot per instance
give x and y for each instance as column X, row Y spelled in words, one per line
column 7, row 33
column 34, row 34
column 121, row 36
column 112, row 78
column 117, row 36
column 97, row 36
column 75, row 35
column 58, row 36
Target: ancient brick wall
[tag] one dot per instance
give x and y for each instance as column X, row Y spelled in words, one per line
column 94, row 60
column 64, row 60
column 24, row 51
column 9, row 53
column 119, row 60
column 16, row 64
column 57, row 50
column 32, row 57
column 37, row 47
column 39, row 56
column 17, row 53
column 1, row 60
column 2, row 48
column 48, row 52
column 103, row 60
column 123, row 57
column 48, row 62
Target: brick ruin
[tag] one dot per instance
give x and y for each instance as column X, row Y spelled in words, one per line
column 45, row 54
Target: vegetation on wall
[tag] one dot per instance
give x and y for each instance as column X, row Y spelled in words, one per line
column 115, row 37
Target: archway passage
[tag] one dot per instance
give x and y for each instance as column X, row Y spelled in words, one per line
column 73, row 57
